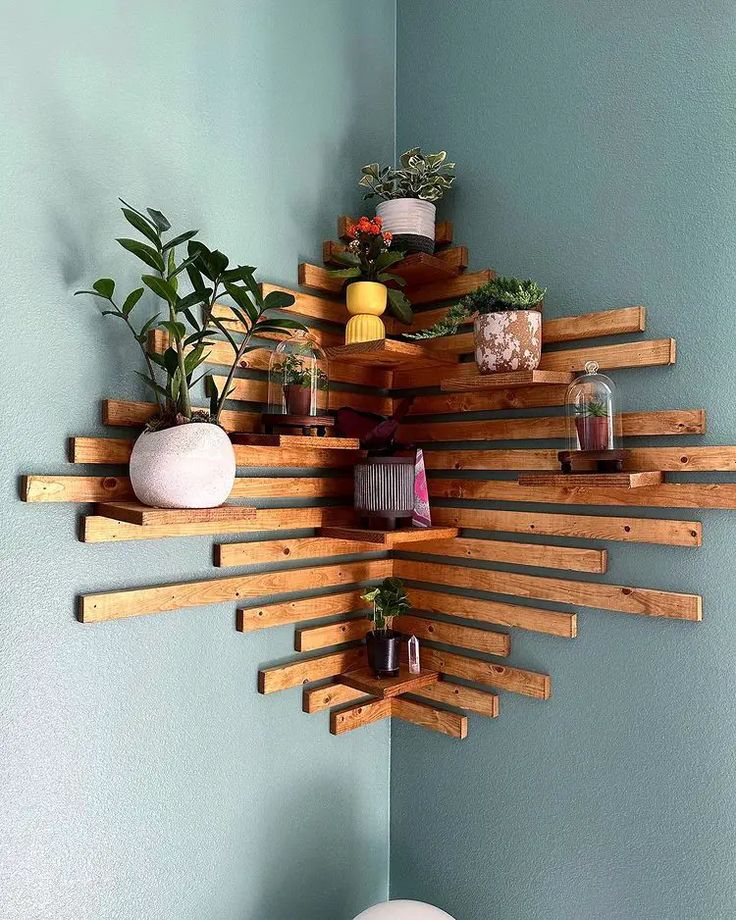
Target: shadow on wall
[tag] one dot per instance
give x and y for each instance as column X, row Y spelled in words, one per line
column 298, row 842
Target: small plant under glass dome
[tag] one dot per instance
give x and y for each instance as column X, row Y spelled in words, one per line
column 298, row 385
column 592, row 424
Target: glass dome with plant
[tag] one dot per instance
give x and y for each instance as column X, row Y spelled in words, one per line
column 298, row 382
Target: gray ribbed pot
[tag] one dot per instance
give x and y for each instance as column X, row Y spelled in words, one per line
column 384, row 491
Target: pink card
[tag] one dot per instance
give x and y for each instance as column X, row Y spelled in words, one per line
column 422, row 516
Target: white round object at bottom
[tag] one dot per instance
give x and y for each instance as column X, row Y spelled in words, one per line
column 403, row 910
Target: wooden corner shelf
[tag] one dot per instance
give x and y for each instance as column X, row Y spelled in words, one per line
column 416, row 269
column 389, row 353
column 390, row 538
column 363, row 679
column 593, row 480
column 295, row 440
column 472, row 383
column 145, row 516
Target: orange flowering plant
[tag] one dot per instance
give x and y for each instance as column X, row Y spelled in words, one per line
column 368, row 256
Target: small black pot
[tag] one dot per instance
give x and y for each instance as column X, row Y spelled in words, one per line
column 383, row 651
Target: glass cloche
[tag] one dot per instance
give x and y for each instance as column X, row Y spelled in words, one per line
column 298, row 383
column 591, row 412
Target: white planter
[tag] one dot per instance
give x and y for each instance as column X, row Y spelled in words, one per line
column 508, row 341
column 189, row 466
column 411, row 221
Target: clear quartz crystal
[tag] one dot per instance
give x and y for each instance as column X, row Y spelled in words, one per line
column 414, row 667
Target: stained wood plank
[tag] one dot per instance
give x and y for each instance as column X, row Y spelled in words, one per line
column 74, row 488
column 133, row 512
column 587, row 527
column 388, row 353
column 417, row 268
column 317, row 699
column 442, row 232
column 593, row 480
column 345, row 720
column 633, row 424
column 543, row 555
column 503, row 381
column 620, row 598
column 295, row 441
column 447, row 290
column 312, row 638
column 282, row 613
column 111, row 605
column 303, row 670
column 321, row 336
column 480, row 640
column 533, row 619
column 668, row 495
column 130, row 414
column 390, row 538
column 262, row 551
column 246, row 389
column 439, row 720
column 324, row 308
column 514, row 680
column 480, row 702
column 292, row 487
column 490, row 400
column 365, row 680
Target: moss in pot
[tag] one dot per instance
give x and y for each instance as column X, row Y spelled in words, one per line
column 382, row 641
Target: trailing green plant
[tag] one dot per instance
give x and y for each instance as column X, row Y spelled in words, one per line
column 389, row 600
column 418, row 176
column 495, row 296
column 368, row 258
column 292, row 371
column 170, row 373
column 591, row 409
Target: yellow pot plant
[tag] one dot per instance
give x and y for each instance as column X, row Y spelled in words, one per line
column 368, row 258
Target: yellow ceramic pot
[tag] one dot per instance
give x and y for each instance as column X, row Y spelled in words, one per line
column 368, row 297
column 364, row 328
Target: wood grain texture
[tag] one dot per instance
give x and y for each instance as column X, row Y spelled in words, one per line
column 308, row 305
column 321, row 336
column 364, row 679
column 402, row 536
column 345, row 720
column 129, row 414
column 111, row 605
column 593, row 480
column 282, row 613
column 469, row 637
column 619, row 598
column 633, row 424
column 447, row 290
column 389, row 353
column 303, row 670
column 439, row 720
column 292, row 487
column 522, row 398
column 246, row 389
column 543, row 555
column 264, row 551
column 668, row 495
column 133, row 512
column 514, row 680
column 295, row 442
column 317, row 699
column 502, row 381
column 480, row 702
column 75, row 488
column 587, row 527
column 532, row 619
column 312, row 638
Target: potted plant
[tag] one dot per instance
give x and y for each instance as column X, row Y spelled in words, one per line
column 408, row 194
column 183, row 458
column 382, row 642
column 507, row 325
column 369, row 259
column 295, row 376
column 592, row 425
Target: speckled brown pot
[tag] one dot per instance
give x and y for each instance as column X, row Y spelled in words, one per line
column 508, row 341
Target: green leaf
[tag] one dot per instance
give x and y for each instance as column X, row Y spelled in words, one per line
column 195, row 275
column 239, row 274
column 175, row 330
column 161, row 287
column 241, row 298
column 185, row 265
column 105, row 287
column 199, row 336
column 347, row 258
column 345, row 273
column 193, row 360
column 131, row 300
column 157, row 359
column 171, row 271
column 111, row 313
column 154, row 386
column 400, row 306
column 214, row 396
column 146, row 327
column 278, row 300
column 193, row 299
column 145, row 253
column 388, row 276
column 162, row 224
column 171, row 361
column 142, row 226
column 178, row 240
column 275, row 325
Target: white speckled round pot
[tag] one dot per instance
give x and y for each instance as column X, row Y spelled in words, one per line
column 189, row 466
column 508, row 341
column 403, row 910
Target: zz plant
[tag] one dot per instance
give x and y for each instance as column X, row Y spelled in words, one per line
column 187, row 319
column 418, row 176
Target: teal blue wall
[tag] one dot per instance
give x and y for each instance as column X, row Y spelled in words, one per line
column 142, row 776
column 595, row 144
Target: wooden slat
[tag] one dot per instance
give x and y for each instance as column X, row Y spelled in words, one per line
column 345, row 720
column 442, row 232
column 480, row 702
column 621, row 598
column 293, row 487
column 282, row 613
column 364, row 679
column 130, row 414
column 514, row 680
column 390, row 538
column 133, row 512
column 295, row 441
column 438, row 720
column 389, row 353
column 321, row 336
column 75, row 488
column 117, row 450
column 256, row 391
column 317, row 699
column 261, row 551
column 633, row 424
column 417, row 268
column 668, row 495
column 308, row 305
column 504, row 614
column 446, row 290
column 502, row 381
column 650, row 353
column 587, row 527
column 312, row 638
column 295, row 673
column 543, row 555
column 111, row 605
column 523, row 398
column 593, row 480
column 319, row 279
column 480, row 640
column 667, row 459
